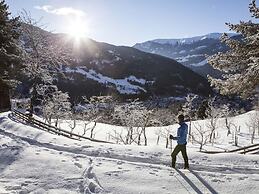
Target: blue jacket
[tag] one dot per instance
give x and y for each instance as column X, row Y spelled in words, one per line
column 182, row 134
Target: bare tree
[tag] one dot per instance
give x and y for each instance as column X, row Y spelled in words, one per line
column 94, row 111
column 135, row 118
column 253, row 125
column 226, row 112
column 235, row 133
column 201, row 135
column 163, row 118
column 213, row 113
column 189, row 111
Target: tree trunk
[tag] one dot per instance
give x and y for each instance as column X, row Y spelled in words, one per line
column 253, row 135
column 157, row 141
column 139, row 139
column 33, row 98
column 145, row 136
column 92, row 130
column 56, row 123
column 190, row 130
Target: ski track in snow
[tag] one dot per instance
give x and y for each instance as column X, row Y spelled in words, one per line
column 107, row 171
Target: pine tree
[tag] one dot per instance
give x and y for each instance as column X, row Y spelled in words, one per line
column 10, row 53
column 241, row 63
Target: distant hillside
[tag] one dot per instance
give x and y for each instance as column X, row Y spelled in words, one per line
column 189, row 51
column 101, row 68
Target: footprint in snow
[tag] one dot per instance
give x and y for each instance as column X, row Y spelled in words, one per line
column 229, row 179
column 242, row 178
column 90, row 183
column 24, row 184
column 86, row 146
column 120, row 162
column 99, row 164
column 78, row 165
column 217, row 181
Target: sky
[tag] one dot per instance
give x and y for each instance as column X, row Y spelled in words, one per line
column 126, row 22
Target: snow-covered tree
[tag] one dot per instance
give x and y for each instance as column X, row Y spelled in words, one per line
column 163, row 132
column 10, row 52
column 200, row 135
column 235, row 133
column 127, row 115
column 226, row 113
column 213, row 113
column 135, row 117
column 55, row 104
column 253, row 125
column 163, row 118
column 189, row 111
column 240, row 63
column 94, row 111
column 145, row 120
column 44, row 52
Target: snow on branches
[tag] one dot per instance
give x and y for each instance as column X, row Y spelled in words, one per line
column 240, row 64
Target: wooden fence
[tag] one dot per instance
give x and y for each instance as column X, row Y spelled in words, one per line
column 46, row 127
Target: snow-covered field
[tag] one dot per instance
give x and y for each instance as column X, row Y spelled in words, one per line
column 35, row 161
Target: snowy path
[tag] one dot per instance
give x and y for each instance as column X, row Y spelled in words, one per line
column 33, row 161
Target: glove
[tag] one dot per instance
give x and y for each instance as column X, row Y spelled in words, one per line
column 171, row 137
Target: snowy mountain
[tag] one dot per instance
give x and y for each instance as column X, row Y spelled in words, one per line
column 36, row 161
column 190, row 52
column 101, row 68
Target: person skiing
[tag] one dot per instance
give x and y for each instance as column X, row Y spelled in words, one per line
column 181, row 142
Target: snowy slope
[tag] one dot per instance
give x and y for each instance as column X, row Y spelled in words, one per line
column 190, row 52
column 35, row 161
column 191, row 39
column 124, row 86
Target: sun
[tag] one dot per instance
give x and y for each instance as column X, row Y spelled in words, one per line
column 78, row 29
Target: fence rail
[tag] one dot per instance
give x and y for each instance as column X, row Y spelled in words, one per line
column 52, row 129
column 242, row 150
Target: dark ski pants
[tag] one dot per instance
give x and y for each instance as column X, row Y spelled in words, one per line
column 177, row 149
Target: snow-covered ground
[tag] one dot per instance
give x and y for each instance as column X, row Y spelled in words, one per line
column 35, row 161
column 124, row 86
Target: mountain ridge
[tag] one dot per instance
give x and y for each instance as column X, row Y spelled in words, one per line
column 191, row 52
column 102, row 68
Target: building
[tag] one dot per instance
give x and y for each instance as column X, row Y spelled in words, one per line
column 5, row 103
